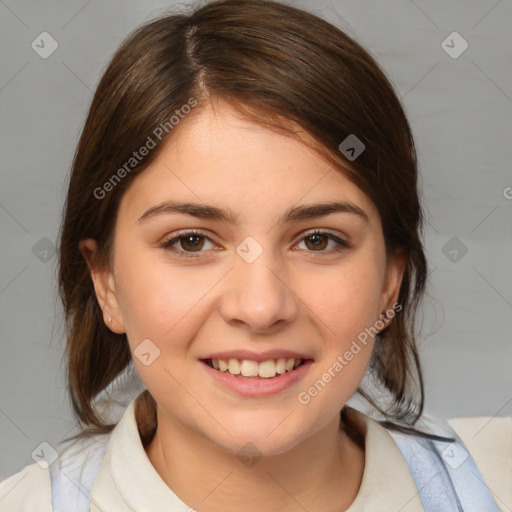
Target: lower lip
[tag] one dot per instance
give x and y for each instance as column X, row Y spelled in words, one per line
column 258, row 386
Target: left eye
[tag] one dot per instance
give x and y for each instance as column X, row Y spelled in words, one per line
column 316, row 239
column 193, row 241
column 190, row 241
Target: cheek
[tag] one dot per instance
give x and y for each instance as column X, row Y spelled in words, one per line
column 158, row 301
column 348, row 314
column 347, row 300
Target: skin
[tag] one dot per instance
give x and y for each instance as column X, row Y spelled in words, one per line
column 293, row 296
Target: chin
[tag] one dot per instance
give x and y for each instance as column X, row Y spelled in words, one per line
column 260, row 441
column 255, row 448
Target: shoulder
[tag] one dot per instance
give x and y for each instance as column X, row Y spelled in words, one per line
column 433, row 447
column 29, row 490
column 55, row 482
column 489, row 440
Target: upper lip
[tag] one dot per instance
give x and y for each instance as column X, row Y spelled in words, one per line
column 253, row 356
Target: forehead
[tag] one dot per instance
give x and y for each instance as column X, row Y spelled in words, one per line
column 218, row 157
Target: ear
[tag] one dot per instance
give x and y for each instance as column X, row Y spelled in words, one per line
column 395, row 268
column 104, row 286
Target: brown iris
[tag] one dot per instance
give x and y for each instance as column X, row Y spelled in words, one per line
column 192, row 242
column 317, row 244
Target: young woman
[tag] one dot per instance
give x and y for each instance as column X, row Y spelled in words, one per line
column 243, row 226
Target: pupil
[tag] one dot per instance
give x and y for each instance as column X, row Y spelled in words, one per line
column 187, row 241
column 316, row 240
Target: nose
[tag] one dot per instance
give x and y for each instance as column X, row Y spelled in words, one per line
column 257, row 295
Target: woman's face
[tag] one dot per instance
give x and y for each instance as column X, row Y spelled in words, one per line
column 253, row 285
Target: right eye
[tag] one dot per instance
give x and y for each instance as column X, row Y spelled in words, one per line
column 190, row 241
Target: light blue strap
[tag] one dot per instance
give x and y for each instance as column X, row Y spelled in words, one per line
column 465, row 476
column 73, row 474
column 445, row 474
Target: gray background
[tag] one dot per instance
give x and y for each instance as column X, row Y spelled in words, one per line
column 461, row 114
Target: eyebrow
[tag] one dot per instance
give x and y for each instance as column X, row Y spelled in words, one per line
column 293, row 214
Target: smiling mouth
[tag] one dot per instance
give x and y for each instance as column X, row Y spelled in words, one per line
column 246, row 368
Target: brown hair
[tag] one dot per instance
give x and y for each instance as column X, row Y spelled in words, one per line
column 276, row 64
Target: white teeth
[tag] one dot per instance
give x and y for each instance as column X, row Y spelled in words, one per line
column 267, row 369
column 248, row 368
column 234, row 367
column 281, row 365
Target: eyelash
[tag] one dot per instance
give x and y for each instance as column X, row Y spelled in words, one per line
column 167, row 244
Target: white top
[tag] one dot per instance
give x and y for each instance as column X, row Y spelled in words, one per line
column 127, row 481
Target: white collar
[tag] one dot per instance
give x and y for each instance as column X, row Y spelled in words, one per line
column 128, row 481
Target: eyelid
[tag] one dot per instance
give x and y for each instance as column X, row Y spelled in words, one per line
column 322, row 231
column 170, row 240
column 341, row 241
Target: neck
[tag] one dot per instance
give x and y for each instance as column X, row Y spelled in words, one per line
column 326, row 472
